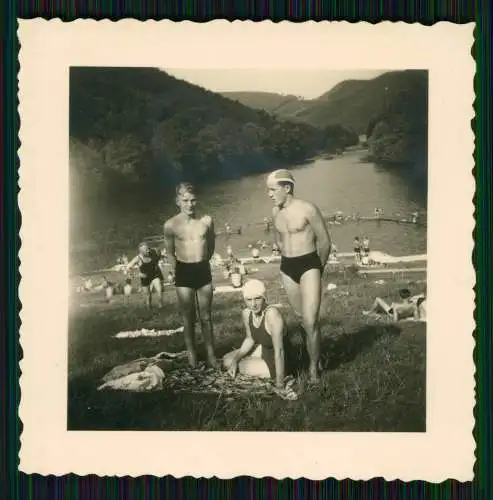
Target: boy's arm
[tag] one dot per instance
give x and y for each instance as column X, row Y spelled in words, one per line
column 211, row 239
column 248, row 342
column 169, row 243
column 274, row 323
column 275, row 211
column 320, row 229
column 131, row 263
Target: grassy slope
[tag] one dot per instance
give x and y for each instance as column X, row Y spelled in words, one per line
column 374, row 378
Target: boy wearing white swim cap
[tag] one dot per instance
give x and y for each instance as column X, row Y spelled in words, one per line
column 304, row 242
column 262, row 352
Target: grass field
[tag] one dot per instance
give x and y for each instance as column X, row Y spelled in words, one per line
column 374, row 377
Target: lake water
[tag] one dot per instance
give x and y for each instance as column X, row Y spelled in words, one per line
column 343, row 184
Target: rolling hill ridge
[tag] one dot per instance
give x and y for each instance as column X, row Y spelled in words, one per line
column 391, row 110
column 351, row 103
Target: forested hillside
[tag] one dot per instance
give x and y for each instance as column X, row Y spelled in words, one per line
column 351, row 103
column 142, row 128
column 391, row 109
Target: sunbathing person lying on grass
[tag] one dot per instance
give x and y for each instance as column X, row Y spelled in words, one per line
column 262, row 351
column 409, row 308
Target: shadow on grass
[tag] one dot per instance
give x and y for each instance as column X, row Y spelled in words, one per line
column 345, row 348
column 337, row 351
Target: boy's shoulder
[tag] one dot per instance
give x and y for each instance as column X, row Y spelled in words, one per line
column 207, row 219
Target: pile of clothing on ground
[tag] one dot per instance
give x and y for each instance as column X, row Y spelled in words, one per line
column 170, row 371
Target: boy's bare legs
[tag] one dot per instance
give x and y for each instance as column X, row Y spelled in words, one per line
column 186, row 302
column 204, row 302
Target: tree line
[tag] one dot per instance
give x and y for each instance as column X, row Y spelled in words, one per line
column 143, row 129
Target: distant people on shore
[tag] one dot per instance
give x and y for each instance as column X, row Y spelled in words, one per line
column 109, row 288
column 365, row 258
column 407, row 308
column 127, row 287
column 122, row 260
column 276, row 251
column 150, row 274
column 305, row 247
column 233, row 268
column 339, row 217
column 88, row 285
column 266, row 225
column 333, row 253
column 357, row 250
column 190, row 242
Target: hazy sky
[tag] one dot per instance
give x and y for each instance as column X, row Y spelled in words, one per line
column 306, row 83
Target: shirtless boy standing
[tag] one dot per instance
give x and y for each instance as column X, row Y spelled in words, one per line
column 190, row 244
column 305, row 247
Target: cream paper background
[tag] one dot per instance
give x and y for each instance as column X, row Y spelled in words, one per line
column 48, row 48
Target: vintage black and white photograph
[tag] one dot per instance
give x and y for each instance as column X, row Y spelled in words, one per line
column 248, row 249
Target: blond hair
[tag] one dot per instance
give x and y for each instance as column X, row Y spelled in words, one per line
column 185, row 187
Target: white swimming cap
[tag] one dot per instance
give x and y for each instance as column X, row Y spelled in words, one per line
column 253, row 289
column 281, row 175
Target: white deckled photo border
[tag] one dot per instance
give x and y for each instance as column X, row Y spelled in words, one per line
column 48, row 49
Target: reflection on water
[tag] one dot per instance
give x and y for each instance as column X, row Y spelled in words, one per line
column 343, row 183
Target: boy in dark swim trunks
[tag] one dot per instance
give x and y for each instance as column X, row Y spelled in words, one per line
column 190, row 244
column 150, row 273
column 305, row 247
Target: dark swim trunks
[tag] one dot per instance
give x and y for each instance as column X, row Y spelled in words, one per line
column 296, row 267
column 193, row 275
column 147, row 280
column 150, row 270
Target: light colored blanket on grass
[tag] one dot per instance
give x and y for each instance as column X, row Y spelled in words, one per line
column 144, row 332
column 226, row 289
column 385, row 258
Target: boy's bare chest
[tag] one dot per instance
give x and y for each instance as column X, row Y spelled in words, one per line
column 291, row 222
column 191, row 230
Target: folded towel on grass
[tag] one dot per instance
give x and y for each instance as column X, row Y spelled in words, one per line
column 144, row 332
